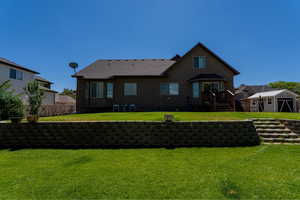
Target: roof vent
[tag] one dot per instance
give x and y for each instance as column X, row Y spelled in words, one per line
column 176, row 57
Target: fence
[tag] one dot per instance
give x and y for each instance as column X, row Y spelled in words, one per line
column 57, row 109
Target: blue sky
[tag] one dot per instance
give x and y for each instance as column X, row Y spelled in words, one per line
column 260, row 38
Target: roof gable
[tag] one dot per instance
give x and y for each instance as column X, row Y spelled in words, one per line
column 200, row 45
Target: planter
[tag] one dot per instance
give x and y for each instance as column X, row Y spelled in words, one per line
column 32, row 118
column 16, row 120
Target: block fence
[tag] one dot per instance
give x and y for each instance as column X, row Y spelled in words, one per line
column 128, row 134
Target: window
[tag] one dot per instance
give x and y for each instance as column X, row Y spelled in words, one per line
column 200, row 62
column 130, row 89
column 269, row 100
column 169, row 89
column 19, row 75
column 110, row 90
column 173, row 89
column 196, row 90
column 15, row 74
column 164, row 88
column 97, row 89
column 12, row 73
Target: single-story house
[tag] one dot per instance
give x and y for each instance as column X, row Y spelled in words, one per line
column 273, row 101
column 198, row 80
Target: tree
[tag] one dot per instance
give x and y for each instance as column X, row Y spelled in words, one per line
column 69, row 92
column 35, row 97
column 292, row 86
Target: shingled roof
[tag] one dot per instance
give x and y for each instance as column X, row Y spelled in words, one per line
column 13, row 64
column 39, row 78
column 106, row 69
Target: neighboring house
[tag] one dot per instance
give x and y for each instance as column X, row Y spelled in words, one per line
column 245, row 91
column 49, row 95
column 19, row 77
column 273, row 101
column 194, row 81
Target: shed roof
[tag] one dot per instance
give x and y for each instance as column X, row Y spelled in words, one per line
column 270, row 94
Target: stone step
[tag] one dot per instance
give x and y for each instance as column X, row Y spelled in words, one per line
column 278, row 135
column 264, row 119
column 271, row 143
column 264, row 130
column 267, row 123
column 281, row 140
column 266, row 126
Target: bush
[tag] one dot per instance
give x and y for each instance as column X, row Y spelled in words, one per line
column 10, row 105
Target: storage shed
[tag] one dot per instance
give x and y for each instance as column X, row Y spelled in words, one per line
column 274, row 101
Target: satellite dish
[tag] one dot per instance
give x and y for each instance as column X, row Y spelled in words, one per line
column 73, row 65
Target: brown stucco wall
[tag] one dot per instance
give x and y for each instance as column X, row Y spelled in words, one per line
column 148, row 88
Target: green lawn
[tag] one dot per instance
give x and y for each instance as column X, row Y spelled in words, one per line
column 180, row 116
column 262, row 172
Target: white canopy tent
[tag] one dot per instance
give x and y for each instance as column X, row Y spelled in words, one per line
column 274, row 101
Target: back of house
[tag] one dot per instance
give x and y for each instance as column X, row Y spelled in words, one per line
column 198, row 80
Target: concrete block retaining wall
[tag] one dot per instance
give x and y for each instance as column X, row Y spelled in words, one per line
column 293, row 125
column 128, row 134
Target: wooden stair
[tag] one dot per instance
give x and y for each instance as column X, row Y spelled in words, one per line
column 272, row 131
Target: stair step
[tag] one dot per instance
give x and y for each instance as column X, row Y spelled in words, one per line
column 285, row 143
column 264, row 119
column 281, row 140
column 277, row 135
column 266, row 122
column 267, row 126
column 264, row 130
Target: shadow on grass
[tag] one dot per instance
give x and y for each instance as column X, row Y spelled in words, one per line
column 229, row 189
column 78, row 161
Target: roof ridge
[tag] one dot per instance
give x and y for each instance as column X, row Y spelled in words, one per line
column 141, row 59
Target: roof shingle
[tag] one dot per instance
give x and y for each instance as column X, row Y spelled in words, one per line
column 106, row 69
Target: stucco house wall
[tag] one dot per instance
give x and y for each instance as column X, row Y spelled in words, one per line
column 16, row 85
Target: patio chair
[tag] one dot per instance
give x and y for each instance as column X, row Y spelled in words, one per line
column 116, row 108
column 125, row 108
column 132, row 107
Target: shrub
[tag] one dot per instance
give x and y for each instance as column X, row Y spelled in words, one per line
column 10, row 105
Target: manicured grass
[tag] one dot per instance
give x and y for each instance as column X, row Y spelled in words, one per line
column 180, row 116
column 262, row 172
